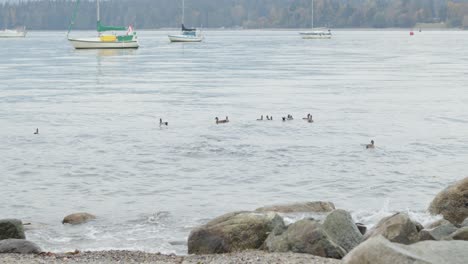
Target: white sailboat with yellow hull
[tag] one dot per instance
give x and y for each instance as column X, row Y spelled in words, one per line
column 104, row 40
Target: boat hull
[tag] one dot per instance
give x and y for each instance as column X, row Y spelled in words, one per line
column 12, row 34
column 182, row 38
column 96, row 43
column 316, row 35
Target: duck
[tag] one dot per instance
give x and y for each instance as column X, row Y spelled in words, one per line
column 37, row 131
column 269, row 118
column 222, row 121
column 161, row 123
column 261, row 118
column 290, row 117
column 371, row 145
column 310, row 120
column 307, row 118
column 284, row 118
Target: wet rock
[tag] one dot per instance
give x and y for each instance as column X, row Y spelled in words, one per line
column 11, row 228
column 308, row 207
column 78, row 218
column 460, row 234
column 437, row 223
column 438, row 233
column 397, row 228
column 19, row 246
column 233, row 232
column 378, row 250
column 452, row 202
column 362, row 228
column 305, row 236
column 340, row 227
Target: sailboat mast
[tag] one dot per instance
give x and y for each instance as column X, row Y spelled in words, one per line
column 98, row 13
column 183, row 11
column 312, row 13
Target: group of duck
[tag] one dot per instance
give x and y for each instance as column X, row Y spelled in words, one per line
column 308, row 118
column 268, row 118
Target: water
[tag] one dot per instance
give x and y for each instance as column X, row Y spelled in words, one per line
column 100, row 149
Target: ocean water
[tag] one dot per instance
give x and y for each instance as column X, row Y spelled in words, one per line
column 101, row 150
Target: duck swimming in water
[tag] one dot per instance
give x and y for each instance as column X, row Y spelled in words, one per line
column 270, row 118
column 371, row 145
column 290, row 117
column 261, row 118
column 222, row 121
column 161, row 123
column 307, row 118
column 310, row 120
column 37, row 131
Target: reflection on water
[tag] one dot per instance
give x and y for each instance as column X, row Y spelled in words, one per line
column 101, row 149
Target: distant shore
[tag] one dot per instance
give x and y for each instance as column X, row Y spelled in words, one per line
column 258, row 257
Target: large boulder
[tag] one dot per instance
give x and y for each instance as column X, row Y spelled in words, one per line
column 341, row 228
column 397, row 228
column 460, row 234
column 11, row 228
column 438, row 233
column 78, row 218
column 379, row 250
column 233, row 232
column 305, row 236
column 308, row 207
column 452, row 202
column 19, row 246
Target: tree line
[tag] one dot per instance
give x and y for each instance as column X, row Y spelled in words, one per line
column 153, row 14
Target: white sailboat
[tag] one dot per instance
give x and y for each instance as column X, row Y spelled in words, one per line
column 13, row 33
column 104, row 40
column 187, row 34
column 316, row 33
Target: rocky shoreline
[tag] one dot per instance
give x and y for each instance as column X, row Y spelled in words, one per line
column 262, row 236
column 104, row 257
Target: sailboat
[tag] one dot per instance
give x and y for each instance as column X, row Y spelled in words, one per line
column 104, row 40
column 318, row 33
column 187, row 34
column 13, row 33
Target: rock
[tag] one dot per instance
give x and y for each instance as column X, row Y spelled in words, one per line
column 465, row 223
column 305, row 236
column 233, row 232
column 20, row 246
column 308, row 207
column 437, row 233
column 418, row 225
column 78, row 218
column 340, row 227
column 437, row 223
column 460, row 234
column 452, row 202
column 378, row 250
column 397, row 228
column 11, row 228
column 362, row 228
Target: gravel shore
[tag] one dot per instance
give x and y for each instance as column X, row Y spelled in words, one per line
column 104, row 257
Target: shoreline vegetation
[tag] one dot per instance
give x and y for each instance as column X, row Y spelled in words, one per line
column 247, row 14
column 262, row 236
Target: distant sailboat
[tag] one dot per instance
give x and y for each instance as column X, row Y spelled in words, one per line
column 187, row 34
column 318, row 33
column 13, row 33
column 104, row 40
